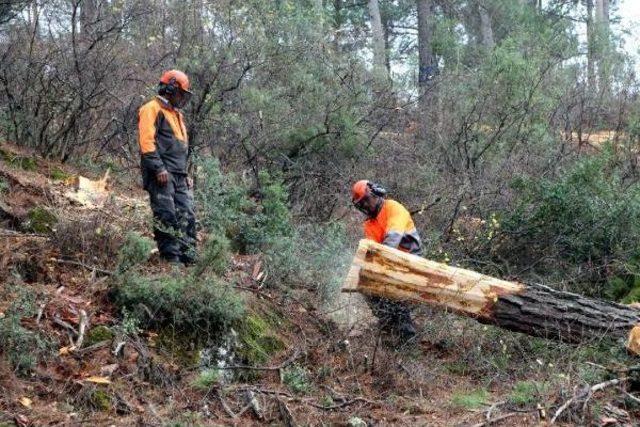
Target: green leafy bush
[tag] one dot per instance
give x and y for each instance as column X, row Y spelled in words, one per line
column 206, row 379
column 296, row 378
column 202, row 306
column 135, row 250
column 587, row 218
column 215, row 255
column 526, row 392
column 473, row 399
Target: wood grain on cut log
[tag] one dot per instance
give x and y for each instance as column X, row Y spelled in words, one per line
column 532, row 309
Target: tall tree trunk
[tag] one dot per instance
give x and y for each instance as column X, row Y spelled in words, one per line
column 591, row 47
column 485, row 26
column 602, row 43
column 426, row 61
column 88, row 15
column 379, row 68
column 318, row 8
column 386, row 26
column 427, row 65
column 337, row 24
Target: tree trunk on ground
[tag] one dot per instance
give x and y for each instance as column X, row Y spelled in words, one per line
column 532, row 309
column 379, row 68
column 485, row 26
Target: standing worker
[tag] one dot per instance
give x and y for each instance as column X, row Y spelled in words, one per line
column 388, row 223
column 164, row 151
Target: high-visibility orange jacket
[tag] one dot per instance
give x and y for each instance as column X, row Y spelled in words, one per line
column 162, row 136
column 394, row 227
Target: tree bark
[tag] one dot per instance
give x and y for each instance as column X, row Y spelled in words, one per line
column 602, row 43
column 485, row 26
column 426, row 60
column 531, row 309
column 591, row 47
column 377, row 34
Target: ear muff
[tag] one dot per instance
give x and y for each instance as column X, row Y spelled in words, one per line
column 170, row 87
column 377, row 189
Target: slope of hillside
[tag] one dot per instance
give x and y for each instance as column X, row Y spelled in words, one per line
column 70, row 356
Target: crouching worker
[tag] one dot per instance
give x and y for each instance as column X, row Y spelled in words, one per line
column 164, row 151
column 388, row 223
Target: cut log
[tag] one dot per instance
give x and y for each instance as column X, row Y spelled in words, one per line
column 531, row 309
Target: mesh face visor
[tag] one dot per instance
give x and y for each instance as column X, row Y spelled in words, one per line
column 360, row 206
column 182, row 98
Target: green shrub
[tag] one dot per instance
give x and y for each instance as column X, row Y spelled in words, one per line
column 206, row 379
column 135, row 250
column 58, row 174
column 587, row 217
column 258, row 340
column 225, row 207
column 296, row 378
column 474, row 399
column 188, row 304
column 40, row 220
column 215, row 255
column 526, row 393
column 22, row 347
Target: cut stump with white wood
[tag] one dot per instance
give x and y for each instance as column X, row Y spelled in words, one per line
column 531, row 309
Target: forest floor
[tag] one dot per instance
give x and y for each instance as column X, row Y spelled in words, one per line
column 333, row 368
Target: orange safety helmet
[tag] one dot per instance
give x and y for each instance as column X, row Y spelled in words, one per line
column 359, row 190
column 175, row 78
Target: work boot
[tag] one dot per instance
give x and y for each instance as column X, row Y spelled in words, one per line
column 171, row 259
column 406, row 331
column 188, row 259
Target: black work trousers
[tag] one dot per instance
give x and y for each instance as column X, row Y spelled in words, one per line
column 174, row 217
column 392, row 315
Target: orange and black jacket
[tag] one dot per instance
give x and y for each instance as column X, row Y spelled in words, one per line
column 162, row 136
column 393, row 226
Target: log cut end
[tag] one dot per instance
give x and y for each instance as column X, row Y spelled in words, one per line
column 633, row 343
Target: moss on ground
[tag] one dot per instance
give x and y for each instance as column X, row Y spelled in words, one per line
column 259, row 341
column 98, row 334
column 40, row 220
column 183, row 349
column 58, row 174
column 100, row 400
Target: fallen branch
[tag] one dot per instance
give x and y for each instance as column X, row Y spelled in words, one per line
column 266, row 391
column 84, row 324
column 285, row 414
column 40, row 312
column 342, row 405
column 250, row 397
column 265, row 368
column 495, row 420
column 225, row 406
column 58, row 321
column 83, row 265
column 94, row 347
column 586, row 394
column 493, row 408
